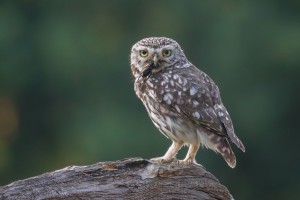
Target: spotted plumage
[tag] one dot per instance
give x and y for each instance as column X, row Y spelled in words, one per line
column 183, row 102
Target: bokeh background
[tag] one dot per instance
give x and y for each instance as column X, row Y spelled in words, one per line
column 66, row 90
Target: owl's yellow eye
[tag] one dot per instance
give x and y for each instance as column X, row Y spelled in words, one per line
column 144, row 53
column 166, row 53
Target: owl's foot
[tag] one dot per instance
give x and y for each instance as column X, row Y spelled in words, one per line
column 170, row 155
column 190, row 156
column 187, row 161
column 162, row 160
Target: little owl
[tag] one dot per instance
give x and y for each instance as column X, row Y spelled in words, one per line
column 183, row 102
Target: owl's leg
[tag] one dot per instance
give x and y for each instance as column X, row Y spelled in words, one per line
column 190, row 156
column 170, row 154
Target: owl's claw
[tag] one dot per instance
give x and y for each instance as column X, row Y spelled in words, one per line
column 187, row 162
column 162, row 160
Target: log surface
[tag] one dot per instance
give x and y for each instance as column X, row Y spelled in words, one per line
column 133, row 178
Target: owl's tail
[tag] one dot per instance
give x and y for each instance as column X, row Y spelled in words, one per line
column 224, row 148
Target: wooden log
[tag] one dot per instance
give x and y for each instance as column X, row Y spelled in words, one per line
column 133, row 178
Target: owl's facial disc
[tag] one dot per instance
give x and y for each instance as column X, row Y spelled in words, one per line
column 148, row 59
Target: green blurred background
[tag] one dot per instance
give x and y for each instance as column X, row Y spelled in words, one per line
column 66, row 89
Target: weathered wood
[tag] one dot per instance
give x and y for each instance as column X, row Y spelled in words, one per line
column 133, row 178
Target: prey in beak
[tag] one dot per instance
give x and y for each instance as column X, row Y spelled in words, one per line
column 154, row 64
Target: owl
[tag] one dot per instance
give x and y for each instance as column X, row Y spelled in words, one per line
column 182, row 101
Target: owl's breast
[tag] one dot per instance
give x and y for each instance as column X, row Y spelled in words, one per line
column 155, row 93
column 156, row 84
column 169, row 123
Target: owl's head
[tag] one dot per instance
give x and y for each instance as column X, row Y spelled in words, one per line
column 151, row 55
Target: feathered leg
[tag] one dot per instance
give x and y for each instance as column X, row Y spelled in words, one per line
column 170, row 154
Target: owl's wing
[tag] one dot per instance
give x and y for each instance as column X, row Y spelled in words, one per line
column 191, row 93
column 222, row 114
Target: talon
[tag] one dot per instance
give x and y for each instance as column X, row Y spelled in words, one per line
column 187, row 162
column 162, row 160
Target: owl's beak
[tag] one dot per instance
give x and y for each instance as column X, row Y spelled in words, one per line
column 155, row 61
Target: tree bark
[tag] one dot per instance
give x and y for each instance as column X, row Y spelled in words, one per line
column 133, row 178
